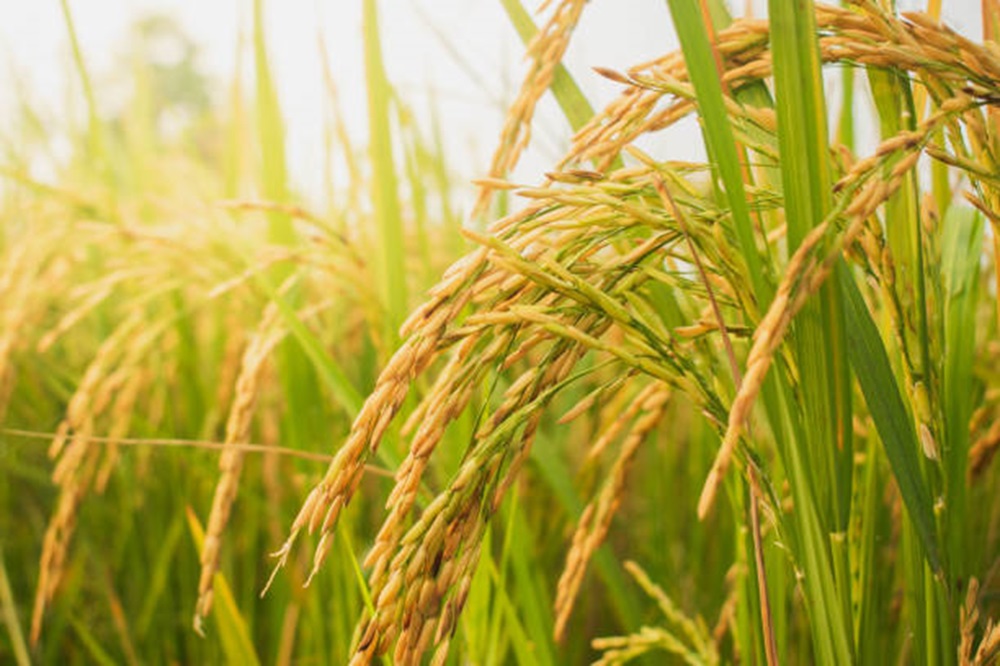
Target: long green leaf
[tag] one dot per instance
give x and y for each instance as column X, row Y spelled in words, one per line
column 339, row 384
column 385, row 188
column 8, row 611
column 818, row 336
column 96, row 653
column 725, row 157
column 719, row 138
column 159, row 576
column 892, row 420
column 806, row 182
column 233, row 633
column 95, row 133
column 271, row 132
column 961, row 253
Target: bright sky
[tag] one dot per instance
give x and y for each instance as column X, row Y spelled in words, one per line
column 420, row 39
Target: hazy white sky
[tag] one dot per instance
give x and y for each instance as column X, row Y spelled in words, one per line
column 420, row 38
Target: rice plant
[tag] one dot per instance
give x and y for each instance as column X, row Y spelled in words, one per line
column 734, row 411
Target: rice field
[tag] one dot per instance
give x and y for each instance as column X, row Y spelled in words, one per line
column 638, row 409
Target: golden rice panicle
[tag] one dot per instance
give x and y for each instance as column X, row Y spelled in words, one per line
column 595, row 522
column 847, row 36
column 27, row 269
column 80, row 469
column 241, row 413
column 55, row 546
column 545, row 50
column 77, row 466
column 425, row 587
column 538, row 271
column 426, row 328
column 420, row 580
column 989, row 645
column 983, row 450
column 449, row 396
column 969, row 617
column 637, row 110
column 120, row 415
column 690, row 629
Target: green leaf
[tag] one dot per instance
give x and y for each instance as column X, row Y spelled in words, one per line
column 806, row 182
column 818, row 335
column 962, row 247
column 271, row 132
column 892, row 420
column 8, row 611
column 95, row 132
column 95, row 651
column 719, row 139
column 385, row 189
column 339, row 384
column 159, row 576
column 233, row 633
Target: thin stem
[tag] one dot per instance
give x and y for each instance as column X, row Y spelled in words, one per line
column 161, row 442
column 767, row 625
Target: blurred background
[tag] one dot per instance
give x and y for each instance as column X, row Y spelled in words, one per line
column 458, row 59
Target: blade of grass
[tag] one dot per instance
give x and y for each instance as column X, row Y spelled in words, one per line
column 869, row 585
column 95, row 133
column 845, row 125
column 498, row 573
column 415, row 169
column 294, row 374
column 339, row 384
column 271, row 134
column 296, row 379
column 95, row 651
column 385, row 189
column 962, row 247
column 719, row 139
column 819, row 335
column 894, row 100
column 233, row 167
column 892, row 420
column 452, row 219
column 704, row 63
column 233, row 632
column 359, row 576
column 506, row 609
column 158, row 579
column 806, row 182
column 532, row 595
column 8, row 610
